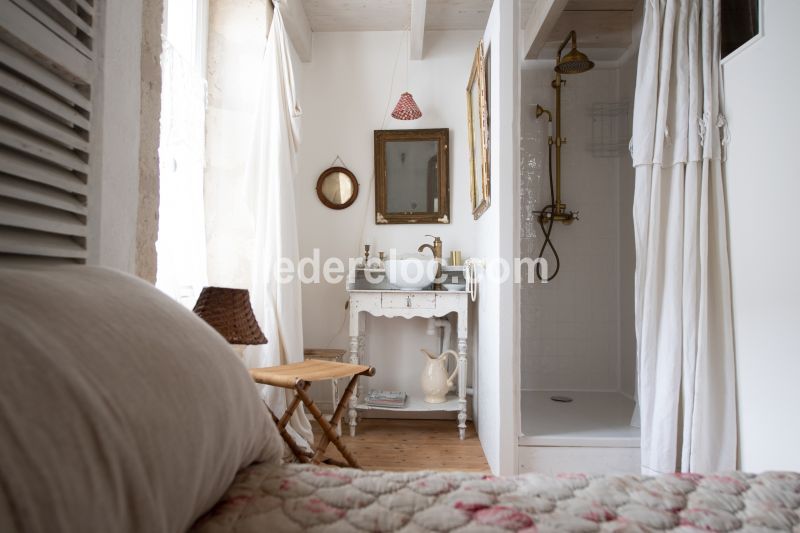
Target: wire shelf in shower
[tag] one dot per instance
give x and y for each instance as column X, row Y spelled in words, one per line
column 610, row 129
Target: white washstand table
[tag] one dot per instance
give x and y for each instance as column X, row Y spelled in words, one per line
column 380, row 300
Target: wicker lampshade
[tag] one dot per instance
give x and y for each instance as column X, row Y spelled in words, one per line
column 229, row 312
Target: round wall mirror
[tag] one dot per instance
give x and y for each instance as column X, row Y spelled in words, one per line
column 337, row 188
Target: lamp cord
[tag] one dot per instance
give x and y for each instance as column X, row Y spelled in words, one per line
column 370, row 184
column 408, row 60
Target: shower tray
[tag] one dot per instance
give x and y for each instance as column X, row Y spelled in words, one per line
column 599, row 419
column 591, row 434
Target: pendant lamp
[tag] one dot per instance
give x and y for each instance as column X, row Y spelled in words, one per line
column 406, row 108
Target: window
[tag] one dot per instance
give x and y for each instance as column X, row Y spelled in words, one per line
column 740, row 23
column 181, row 244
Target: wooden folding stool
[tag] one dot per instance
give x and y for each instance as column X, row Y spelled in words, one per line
column 299, row 377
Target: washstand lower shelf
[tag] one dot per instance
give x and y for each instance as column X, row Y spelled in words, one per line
column 417, row 405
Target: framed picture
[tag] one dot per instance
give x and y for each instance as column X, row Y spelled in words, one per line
column 412, row 177
column 487, row 66
column 478, row 132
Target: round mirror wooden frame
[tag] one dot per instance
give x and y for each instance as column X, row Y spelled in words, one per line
column 327, row 188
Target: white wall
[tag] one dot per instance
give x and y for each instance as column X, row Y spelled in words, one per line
column 345, row 95
column 496, row 235
column 763, row 185
column 115, row 200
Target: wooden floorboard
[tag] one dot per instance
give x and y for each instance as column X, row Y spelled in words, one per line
column 400, row 445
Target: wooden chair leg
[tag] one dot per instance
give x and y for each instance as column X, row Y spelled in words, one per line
column 336, row 419
column 329, row 432
column 301, row 455
column 342, row 405
column 297, row 451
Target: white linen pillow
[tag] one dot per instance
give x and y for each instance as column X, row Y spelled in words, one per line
column 120, row 410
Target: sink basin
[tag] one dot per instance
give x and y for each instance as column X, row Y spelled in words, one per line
column 410, row 273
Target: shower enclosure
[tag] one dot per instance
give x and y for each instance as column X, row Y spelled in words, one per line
column 578, row 347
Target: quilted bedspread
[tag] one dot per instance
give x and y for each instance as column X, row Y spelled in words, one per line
column 307, row 498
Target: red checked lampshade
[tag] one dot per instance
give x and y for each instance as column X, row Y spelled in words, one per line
column 406, row 108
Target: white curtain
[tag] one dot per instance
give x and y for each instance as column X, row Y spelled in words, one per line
column 269, row 180
column 683, row 297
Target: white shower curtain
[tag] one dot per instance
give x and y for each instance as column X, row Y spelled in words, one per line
column 269, row 179
column 683, row 297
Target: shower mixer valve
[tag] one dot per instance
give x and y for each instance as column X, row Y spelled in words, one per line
column 562, row 215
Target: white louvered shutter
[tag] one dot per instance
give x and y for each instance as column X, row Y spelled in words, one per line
column 46, row 73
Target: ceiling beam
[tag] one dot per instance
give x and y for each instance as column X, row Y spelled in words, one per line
column 540, row 23
column 297, row 26
column 417, row 33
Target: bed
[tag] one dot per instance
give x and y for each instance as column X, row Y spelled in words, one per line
column 122, row 411
column 306, row 498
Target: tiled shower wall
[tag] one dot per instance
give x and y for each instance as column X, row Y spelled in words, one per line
column 572, row 334
column 627, row 251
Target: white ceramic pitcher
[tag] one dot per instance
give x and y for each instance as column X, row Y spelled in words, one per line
column 435, row 381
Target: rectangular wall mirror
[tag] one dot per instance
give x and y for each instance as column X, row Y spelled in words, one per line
column 412, row 182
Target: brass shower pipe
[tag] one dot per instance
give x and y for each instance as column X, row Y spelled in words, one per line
column 574, row 62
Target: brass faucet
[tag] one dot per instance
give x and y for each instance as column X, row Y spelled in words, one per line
column 436, row 248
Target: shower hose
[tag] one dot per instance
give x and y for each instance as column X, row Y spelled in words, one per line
column 546, row 231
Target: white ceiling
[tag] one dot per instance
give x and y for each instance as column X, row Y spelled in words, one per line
column 381, row 15
column 357, row 15
column 603, row 26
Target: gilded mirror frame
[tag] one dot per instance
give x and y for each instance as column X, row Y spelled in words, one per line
column 321, row 181
column 442, row 215
column 477, row 82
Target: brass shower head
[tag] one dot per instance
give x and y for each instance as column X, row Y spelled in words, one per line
column 574, row 62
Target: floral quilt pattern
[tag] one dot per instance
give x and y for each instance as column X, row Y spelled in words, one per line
column 296, row 497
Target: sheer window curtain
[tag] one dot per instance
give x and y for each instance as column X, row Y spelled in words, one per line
column 683, row 298
column 251, row 218
column 181, row 244
column 270, row 181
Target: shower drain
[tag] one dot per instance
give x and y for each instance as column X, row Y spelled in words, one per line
column 561, row 399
